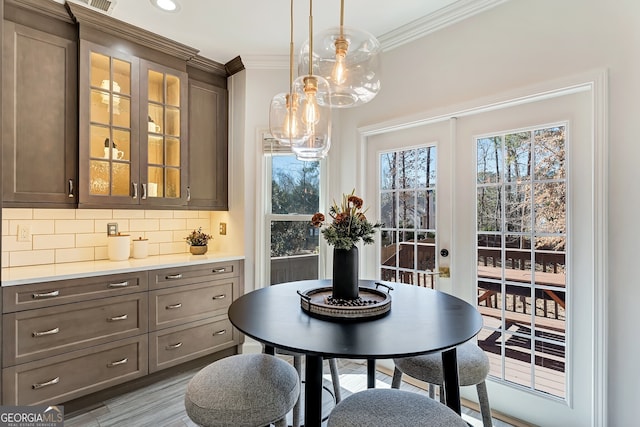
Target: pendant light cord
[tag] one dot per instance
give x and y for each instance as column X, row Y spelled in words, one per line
column 310, row 37
column 291, row 49
column 341, row 18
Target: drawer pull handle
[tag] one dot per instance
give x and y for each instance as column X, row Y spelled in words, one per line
column 117, row 362
column 47, row 294
column 221, row 296
column 116, row 318
column 172, row 306
column 36, row 386
column 119, row 285
column 53, row 331
column 219, row 270
column 173, row 346
column 222, row 332
column 174, row 276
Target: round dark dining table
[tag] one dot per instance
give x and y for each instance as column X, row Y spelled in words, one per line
column 420, row 321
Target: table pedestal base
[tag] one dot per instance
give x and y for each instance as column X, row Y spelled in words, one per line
column 328, row 403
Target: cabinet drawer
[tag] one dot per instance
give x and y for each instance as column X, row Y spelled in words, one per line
column 61, row 378
column 46, row 294
column 173, row 306
column 179, row 344
column 193, row 274
column 36, row 334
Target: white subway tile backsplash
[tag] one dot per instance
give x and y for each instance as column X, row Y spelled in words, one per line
column 19, row 259
column 74, row 226
column 17, row 213
column 68, row 235
column 54, row 241
column 53, row 213
column 74, row 255
column 136, row 225
column 173, row 224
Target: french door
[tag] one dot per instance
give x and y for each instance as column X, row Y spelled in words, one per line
column 514, row 210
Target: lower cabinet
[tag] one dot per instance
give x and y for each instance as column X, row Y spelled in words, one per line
column 69, row 338
column 68, row 376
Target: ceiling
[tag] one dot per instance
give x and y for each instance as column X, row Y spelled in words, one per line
column 224, row 29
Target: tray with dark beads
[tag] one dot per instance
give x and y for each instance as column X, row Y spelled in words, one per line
column 371, row 303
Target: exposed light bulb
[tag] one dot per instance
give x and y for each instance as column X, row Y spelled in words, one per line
column 339, row 73
column 291, row 126
column 311, row 114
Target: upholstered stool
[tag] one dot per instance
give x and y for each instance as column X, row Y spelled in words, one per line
column 388, row 407
column 473, row 368
column 249, row 390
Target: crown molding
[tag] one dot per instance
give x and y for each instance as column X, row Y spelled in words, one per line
column 438, row 20
column 266, row 62
column 48, row 8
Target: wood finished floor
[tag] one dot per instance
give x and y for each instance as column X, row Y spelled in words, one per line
column 162, row 404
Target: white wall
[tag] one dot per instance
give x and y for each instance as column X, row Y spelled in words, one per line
column 514, row 45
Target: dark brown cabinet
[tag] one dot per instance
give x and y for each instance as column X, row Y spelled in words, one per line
column 39, row 106
column 208, row 148
column 117, row 327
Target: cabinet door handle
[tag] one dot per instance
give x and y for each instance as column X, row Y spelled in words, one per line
column 36, row 386
column 144, row 191
column 118, row 285
column 221, row 296
column 116, row 318
column 222, row 332
column 47, row 294
column 173, row 346
column 219, row 270
column 134, row 186
column 172, row 306
column 188, row 194
column 71, row 190
column 53, row 331
column 117, row 362
column 173, row 276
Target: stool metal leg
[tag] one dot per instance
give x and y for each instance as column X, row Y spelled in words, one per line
column 483, row 399
column 397, row 378
column 335, row 379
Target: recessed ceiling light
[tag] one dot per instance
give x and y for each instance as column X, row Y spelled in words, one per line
column 166, row 5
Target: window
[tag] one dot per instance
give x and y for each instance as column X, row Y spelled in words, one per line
column 294, row 196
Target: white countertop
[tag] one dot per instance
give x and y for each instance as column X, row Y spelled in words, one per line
column 74, row 270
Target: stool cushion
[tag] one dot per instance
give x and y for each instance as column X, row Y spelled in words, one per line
column 473, row 365
column 242, row 390
column 391, row 407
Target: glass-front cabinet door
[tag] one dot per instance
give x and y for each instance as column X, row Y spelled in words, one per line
column 162, row 166
column 108, row 127
column 133, row 131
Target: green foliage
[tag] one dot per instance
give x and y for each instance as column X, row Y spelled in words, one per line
column 349, row 224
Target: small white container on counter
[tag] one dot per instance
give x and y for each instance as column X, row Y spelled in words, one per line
column 140, row 248
column 119, row 247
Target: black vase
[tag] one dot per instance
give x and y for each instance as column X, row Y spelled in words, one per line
column 345, row 273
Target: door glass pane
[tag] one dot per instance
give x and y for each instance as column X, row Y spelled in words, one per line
column 173, row 183
column 173, row 152
column 521, row 247
column 121, row 179
column 156, row 87
column 408, row 237
column 173, row 90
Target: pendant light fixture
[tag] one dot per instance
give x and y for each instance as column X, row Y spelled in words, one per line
column 284, row 123
column 315, row 109
column 349, row 59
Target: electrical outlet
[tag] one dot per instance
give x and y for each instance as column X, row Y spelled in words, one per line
column 24, row 233
column 112, row 228
column 222, row 229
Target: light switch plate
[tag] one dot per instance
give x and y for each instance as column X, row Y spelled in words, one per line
column 222, row 229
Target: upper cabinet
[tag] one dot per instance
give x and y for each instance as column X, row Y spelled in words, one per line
column 39, row 106
column 98, row 113
column 133, row 131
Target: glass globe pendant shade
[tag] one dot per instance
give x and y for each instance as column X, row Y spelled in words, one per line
column 314, row 113
column 349, row 59
column 284, row 123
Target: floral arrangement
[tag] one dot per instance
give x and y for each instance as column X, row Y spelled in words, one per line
column 349, row 223
column 198, row 238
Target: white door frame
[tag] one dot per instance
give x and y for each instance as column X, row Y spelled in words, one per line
column 596, row 82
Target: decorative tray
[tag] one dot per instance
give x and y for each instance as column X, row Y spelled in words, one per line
column 371, row 304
